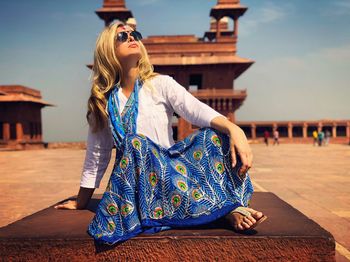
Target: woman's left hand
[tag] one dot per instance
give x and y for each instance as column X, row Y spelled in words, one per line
column 239, row 143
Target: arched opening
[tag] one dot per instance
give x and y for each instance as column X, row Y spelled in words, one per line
column 247, row 131
column 283, row 131
column 341, row 131
column 13, row 135
column 311, row 129
column 297, row 131
column 1, row 130
column 260, row 130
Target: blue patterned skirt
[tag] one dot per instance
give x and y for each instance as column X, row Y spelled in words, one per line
column 153, row 188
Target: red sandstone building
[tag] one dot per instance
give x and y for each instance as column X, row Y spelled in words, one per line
column 208, row 67
column 20, row 117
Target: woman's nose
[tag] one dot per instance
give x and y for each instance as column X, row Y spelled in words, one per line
column 131, row 38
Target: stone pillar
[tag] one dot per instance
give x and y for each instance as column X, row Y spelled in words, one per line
column 274, row 127
column 304, row 130
column 253, row 131
column 6, row 131
column 290, row 130
column 334, row 130
column 235, row 27
column 319, row 126
column 40, row 138
column 19, row 131
column 36, row 131
column 217, row 28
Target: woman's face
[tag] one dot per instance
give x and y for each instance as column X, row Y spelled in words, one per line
column 130, row 49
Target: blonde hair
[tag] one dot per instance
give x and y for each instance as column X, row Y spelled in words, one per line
column 107, row 71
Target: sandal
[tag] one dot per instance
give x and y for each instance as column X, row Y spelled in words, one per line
column 243, row 210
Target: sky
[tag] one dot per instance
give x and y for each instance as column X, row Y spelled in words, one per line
column 301, row 51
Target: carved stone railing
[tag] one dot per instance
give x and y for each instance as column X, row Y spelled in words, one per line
column 222, row 100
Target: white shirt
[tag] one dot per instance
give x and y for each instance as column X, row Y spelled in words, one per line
column 154, row 120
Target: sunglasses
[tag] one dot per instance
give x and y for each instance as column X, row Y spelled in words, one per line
column 123, row 36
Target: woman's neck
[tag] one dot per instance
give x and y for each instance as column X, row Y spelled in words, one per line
column 129, row 78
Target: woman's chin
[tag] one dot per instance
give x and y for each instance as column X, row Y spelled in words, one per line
column 131, row 56
column 134, row 55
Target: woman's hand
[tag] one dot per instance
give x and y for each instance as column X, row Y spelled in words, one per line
column 82, row 201
column 69, row 204
column 239, row 143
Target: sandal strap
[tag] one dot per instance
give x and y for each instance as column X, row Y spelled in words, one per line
column 241, row 210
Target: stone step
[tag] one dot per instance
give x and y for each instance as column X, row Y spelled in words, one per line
column 287, row 234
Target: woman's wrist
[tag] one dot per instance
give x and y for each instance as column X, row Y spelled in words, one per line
column 224, row 125
column 84, row 197
column 234, row 130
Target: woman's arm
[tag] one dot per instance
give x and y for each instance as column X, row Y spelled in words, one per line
column 84, row 197
column 201, row 114
column 97, row 157
column 186, row 105
column 98, row 154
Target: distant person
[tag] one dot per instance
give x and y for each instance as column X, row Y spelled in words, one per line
column 266, row 137
column 157, row 184
column 320, row 138
column 276, row 137
column 315, row 136
column 327, row 137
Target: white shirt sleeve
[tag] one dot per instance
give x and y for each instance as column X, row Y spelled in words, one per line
column 98, row 154
column 188, row 106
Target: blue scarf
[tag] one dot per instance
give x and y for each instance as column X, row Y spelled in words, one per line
column 129, row 113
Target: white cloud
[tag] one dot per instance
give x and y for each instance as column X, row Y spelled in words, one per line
column 269, row 13
column 343, row 4
column 336, row 54
column 272, row 13
column 340, row 7
column 331, row 56
column 305, row 87
column 147, row 2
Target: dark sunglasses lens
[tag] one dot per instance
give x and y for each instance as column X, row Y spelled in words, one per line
column 122, row 36
column 137, row 35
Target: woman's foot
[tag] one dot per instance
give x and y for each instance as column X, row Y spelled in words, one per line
column 244, row 218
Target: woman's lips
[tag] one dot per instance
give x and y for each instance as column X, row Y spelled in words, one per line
column 133, row 45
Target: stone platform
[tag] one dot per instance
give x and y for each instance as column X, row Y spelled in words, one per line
column 287, row 234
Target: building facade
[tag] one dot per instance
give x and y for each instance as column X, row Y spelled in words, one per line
column 20, row 117
column 208, row 67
